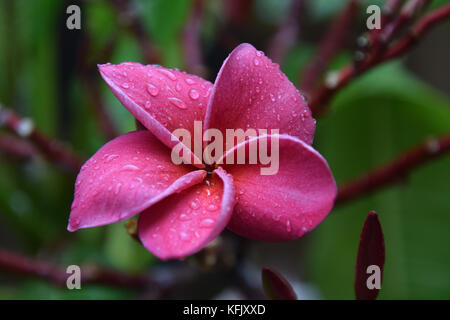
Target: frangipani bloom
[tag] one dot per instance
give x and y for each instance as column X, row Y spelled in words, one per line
column 183, row 207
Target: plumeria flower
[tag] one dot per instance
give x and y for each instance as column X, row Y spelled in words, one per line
column 184, row 207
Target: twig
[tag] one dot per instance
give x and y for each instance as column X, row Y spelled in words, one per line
column 394, row 171
column 53, row 150
column 338, row 79
column 90, row 81
column 330, row 44
column 22, row 265
column 192, row 42
column 426, row 23
column 15, row 147
column 286, row 34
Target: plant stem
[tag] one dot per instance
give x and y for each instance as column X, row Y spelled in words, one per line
column 330, row 44
column 52, row 149
column 191, row 40
column 22, row 265
column 393, row 171
column 319, row 102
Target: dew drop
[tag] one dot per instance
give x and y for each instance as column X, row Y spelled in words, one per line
column 130, row 167
column 169, row 74
column 153, row 90
column 184, row 236
column 189, row 81
column 272, row 97
column 184, row 217
column 194, row 94
column 212, row 207
column 256, row 61
column 147, row 105
column 117, row 189
column 125, row 85
column 195, row 204
column 288, row 226
column 111, row 157
column 75, row 222
column 178, row 103
column 207, row 223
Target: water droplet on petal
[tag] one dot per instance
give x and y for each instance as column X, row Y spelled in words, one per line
column 168, row 74
column 125, row 85
column 189, row 81
column 184, row 217
column 130, row 167
column 153, row 90
column 184, row 236
column 194, row 94
column 212, row 207
column 178, row 103
column 207, row 223
column 195, row 204
column 256, row 61
column 288, row 226
column 117, row 189
column 147, row 105
column 75, row 222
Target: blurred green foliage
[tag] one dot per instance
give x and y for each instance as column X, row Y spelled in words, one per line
column 372, row 120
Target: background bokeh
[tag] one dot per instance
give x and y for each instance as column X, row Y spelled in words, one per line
column 48, row 73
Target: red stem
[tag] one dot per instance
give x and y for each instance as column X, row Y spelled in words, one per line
column 53, row 150
column 394, row 171
column 15, row 147
column 286, row 34
column 192, row 42
column 323, row 94
column 22, row 265
column 90, row 77
column 330, row 45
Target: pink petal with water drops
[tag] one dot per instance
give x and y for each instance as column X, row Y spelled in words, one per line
column 126, row 176
column 288, row 204
column 185, row 223
column 161, row 99
column 253, row 93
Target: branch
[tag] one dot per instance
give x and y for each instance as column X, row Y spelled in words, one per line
column 423, row 26
column 338, row 79
column 286, row 34
column 15, row 147
column 330, row 44
column 394, row 171
column 192, row 42
column 22, row 265
column 89, row 75
column 53, row 150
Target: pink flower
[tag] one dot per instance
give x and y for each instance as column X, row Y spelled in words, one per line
column 182, row 207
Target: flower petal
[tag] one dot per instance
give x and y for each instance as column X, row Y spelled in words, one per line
column 252, row 91
column 161, row 99
column 185, row 223
column 126, row 176
column 286, row 205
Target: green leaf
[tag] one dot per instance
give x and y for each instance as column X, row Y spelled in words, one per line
column 373, row 121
